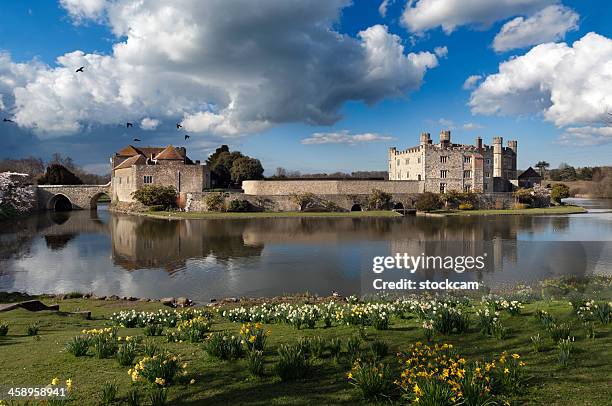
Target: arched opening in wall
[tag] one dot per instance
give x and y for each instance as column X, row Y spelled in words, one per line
column 99, row 201
column 398, row 206
column 60, row 203
column 356, row 207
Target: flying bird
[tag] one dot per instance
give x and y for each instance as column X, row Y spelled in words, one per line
column 178, row 126
column 80, row 69
column 136, row 139
column 6, row 120
column 128, row 125
column 186, row 136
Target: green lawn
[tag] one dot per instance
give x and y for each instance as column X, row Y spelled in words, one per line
column 528, row 212
column 35, row 361
column 224, row 215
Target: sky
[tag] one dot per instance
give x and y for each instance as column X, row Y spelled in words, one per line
column 304, row 84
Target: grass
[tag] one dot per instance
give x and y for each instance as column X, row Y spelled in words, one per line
column 30, row 361
column 224, row 215
column 567, row 209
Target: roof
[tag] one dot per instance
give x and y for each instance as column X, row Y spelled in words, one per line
column 529, row 173
column 130, row 150
column 134, row 160
column 170, row 153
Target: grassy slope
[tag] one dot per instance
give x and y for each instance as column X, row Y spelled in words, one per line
column 27, row 361
column 222, row 215
column 528, row 212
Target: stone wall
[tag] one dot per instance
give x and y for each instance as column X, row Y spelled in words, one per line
column 329, row 187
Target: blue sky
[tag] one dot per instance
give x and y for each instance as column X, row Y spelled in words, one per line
column 242, row 100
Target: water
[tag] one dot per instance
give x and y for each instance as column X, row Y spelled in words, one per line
column 108, row 253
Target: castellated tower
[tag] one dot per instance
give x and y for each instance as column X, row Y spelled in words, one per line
column 425, row 139
column 445, row 138
column 513, row 145
column 498, row 161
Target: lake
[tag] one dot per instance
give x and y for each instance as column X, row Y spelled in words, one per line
column 109, row 253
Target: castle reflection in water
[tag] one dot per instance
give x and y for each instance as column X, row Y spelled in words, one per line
column 277, row 255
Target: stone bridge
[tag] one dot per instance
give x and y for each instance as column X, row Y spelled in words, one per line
column 69, row 197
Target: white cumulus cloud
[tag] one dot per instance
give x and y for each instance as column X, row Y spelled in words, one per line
column 568, row 85
column 547, row 25
column 423, row 15
column 471, row 82
column 222, row 67
column 149, row 124
column 586, row 136
column 441, row 52
column 344, row 137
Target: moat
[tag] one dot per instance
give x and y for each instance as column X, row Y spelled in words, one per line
column 108, row 253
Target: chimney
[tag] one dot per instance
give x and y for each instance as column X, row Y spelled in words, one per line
column 444, row 138
column 479, row 143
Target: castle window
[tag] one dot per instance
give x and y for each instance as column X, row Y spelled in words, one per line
column 398, row 162
column 148, row 179
column 467, row 188
column 467, row 159
column 443, row 174
column 488, row 161
column 407, row 161
column 407, row 175
column 467, row 174
column 486, row 187
column 419, row 160
column 419, row 177
column 487, row 174
column 442, row 187
column 443, row 159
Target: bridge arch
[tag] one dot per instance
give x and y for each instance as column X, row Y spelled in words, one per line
column 398, row 206
column 93, row 202
column 59, row 202
column 356, row 207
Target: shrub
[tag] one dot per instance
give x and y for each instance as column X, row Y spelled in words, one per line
column 32, row 329
column 466, row 206
column 78, row 346
column 151, row 330
column 158, row 397
column 214, row 201
column 379, row 200
column 108, row 393
column 126, row 353
column 379, row 349
column 520, row 206
column 255, row 362
column 161, row 369
column 239, row 206
column 559, row 191
column 224, row 347
column 373, row 380
column 304, row 200
column 4, row 328
column 292, row 364
column 156, row 195
column 428, row 202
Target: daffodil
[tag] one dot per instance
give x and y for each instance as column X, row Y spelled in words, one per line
column 54, row 381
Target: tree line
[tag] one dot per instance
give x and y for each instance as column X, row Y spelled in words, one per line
column 282, row 173
column 59, row 170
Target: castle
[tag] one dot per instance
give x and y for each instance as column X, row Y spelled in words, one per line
column 445, row 166
column 135, row 167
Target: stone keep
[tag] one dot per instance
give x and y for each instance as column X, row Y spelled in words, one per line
column 446, row 166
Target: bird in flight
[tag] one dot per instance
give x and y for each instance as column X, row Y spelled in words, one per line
column 128, row 125
column 6, row 120
column 186, row 137
column 178, row 126
column 136, row 140
column 80, row 69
